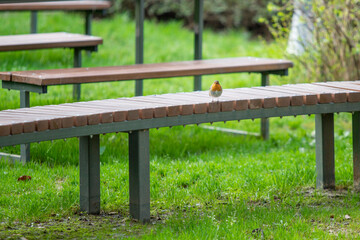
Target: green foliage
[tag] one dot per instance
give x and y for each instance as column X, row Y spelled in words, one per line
column 218, row 14
column 333, row 54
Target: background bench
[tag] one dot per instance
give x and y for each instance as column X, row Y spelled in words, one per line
column 86, row 6
column 88, row 120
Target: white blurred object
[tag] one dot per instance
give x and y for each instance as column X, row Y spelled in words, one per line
column 301, row 28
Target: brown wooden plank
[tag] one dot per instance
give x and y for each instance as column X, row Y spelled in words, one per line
column 47, row 40
column 212, row 105
column 118, row 114
column 295, row 99
column 41, row 124
column 352, row 95
column 100, row 115
column 185, row 108
column 28, row 125
column 148, row 71
column 254, row 97
column 42, row 120
column 58, row 5
column 5, row 129
column 15, row 127
column 308, row 98
column 157, row 110
column 281, row 100
column 198, row 106
column 164, row 108
column 323, row 97
column 5, row 76
column 337, row 95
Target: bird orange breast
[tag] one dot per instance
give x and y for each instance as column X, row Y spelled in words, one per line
column 216, row 87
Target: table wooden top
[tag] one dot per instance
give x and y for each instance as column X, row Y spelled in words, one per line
column 43, row 118
column 47, row 40
column 58, row 5
column 146, row 71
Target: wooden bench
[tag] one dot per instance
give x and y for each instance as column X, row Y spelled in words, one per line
column 136, row 115
column 39, row 80
column 86, row 6
column 78, row 42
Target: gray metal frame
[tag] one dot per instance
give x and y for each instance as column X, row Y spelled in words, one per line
column 139, row 42
column 325, row 153
column 139, row 166
column 34, row 20
column 198, row 36
column 89, row 156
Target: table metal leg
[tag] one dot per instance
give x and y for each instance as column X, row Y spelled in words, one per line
column 139, row 175
column 90, row 174
column 77, row 63
column 25, row 148
column 33, row 24
column 88, row 19
column 264, row 121
column 356, row 149
column 139, row 15
column 325, row 154
column 198, row 30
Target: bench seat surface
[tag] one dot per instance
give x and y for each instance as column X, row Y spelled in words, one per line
column 146, row 71
column 42, row 118
column 47, row 40
column 58, row 5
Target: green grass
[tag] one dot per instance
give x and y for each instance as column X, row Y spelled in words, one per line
column 204, row 184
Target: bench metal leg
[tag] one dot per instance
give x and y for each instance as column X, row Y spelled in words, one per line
column 88, row 18
column 139, row 43
column 356, row 149
column 198, row 30
column 264, row 121
column 325, row 157
column 90, row 174
column 139, row 175
column 77, row 63
column 25, row 148
column 33, row 23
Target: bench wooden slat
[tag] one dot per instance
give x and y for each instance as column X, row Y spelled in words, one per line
column 171, row 109
column 280, row 100
column 47, row 40
column 308, row 98
column 323, row 97
column 147, row 71
column 185, row 109
column 351, row 95
column 118, row 114
column 267, row 102
column 345, row 85
column 295, row 98
column 28, row 125
column 58, row 5
column 337, row 95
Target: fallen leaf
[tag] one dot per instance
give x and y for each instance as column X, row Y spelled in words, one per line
column 24, row 178
column 347, row 217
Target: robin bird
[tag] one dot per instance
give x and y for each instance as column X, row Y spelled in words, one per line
column 215, row 90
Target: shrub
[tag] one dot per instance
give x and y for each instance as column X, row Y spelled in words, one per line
column 218, row 14
column 333, row 52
